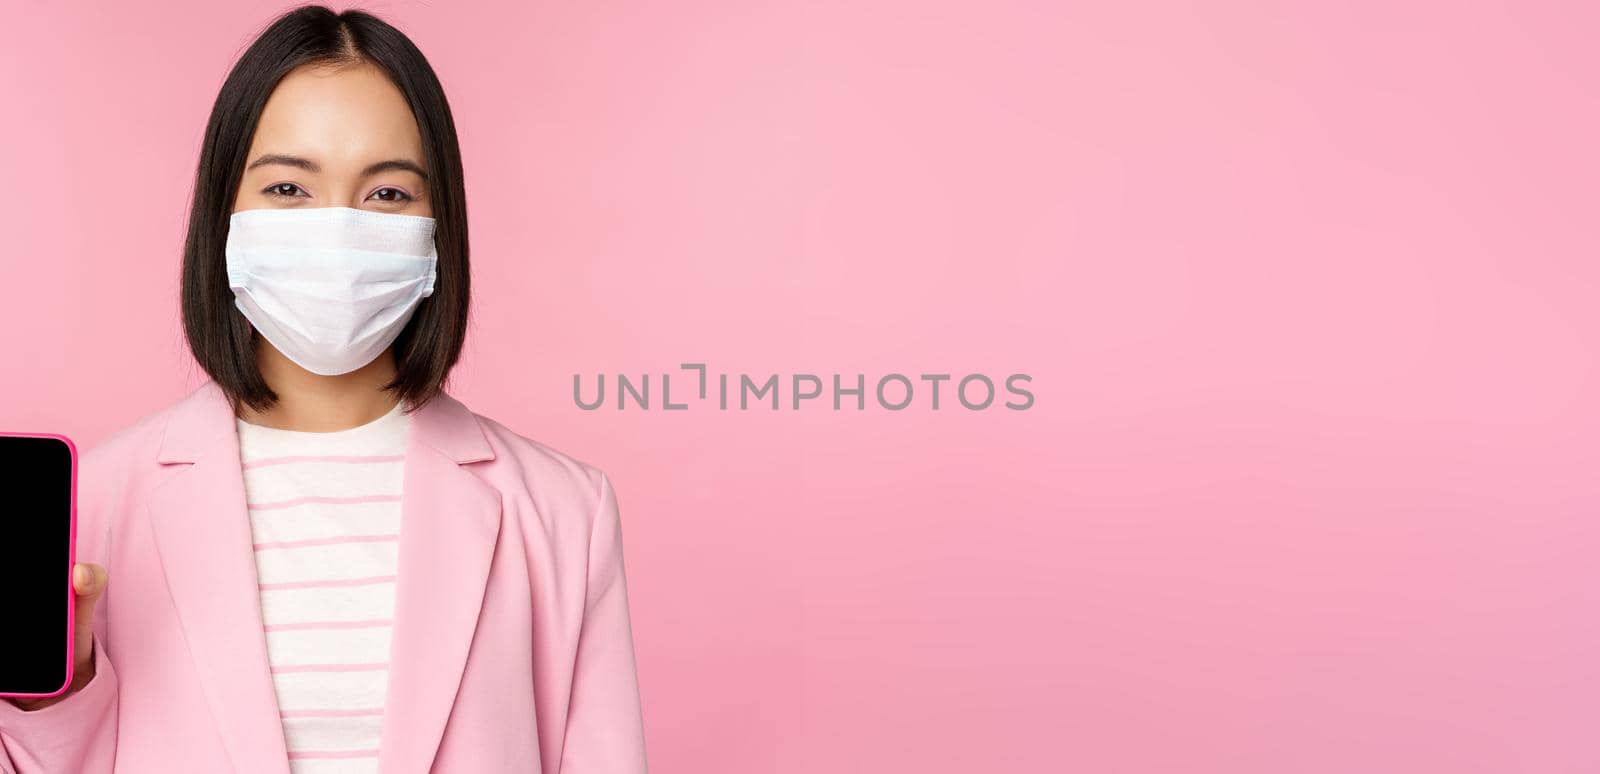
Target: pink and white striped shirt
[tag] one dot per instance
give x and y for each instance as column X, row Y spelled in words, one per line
column 325, row 515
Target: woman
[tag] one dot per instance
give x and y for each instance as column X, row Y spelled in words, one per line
column 321, row 560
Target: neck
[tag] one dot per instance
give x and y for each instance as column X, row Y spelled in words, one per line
column 321, row 404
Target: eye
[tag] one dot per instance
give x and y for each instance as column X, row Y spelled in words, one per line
column 390, row 194
column 285, row 190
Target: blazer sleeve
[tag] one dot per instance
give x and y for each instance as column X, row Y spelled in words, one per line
column 605, row 719
column 78, row 733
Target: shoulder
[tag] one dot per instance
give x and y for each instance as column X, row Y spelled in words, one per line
column 551, row 477
column 127, row 451
column 114, row 474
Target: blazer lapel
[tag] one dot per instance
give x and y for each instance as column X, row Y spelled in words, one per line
column 449, row 524
column 202, row 534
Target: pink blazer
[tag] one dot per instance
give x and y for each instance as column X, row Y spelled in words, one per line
column 512, row 649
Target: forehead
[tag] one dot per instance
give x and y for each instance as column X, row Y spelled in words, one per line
column 349, row 115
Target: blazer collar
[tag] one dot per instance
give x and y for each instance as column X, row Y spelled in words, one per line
column 450, row 525
column 204, row 418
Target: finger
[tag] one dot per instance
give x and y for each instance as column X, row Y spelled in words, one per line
column 89, row 581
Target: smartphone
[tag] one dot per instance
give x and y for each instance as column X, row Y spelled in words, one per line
column 38, row 537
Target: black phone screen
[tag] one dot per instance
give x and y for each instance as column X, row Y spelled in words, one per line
column 36, row 501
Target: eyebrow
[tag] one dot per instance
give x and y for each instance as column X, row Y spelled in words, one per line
column 308, row 165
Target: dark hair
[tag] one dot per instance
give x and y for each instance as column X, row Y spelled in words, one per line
column 221, row 338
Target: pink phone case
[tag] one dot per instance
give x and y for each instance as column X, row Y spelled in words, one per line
column 72, row 562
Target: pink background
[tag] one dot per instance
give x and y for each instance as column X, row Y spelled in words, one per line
column 1308, row 295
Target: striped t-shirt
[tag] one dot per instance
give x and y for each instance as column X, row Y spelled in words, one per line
column 325, row 515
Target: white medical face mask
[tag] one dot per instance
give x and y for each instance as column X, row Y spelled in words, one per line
column 330, row 287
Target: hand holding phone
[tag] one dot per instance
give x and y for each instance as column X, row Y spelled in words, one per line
column 89, row 583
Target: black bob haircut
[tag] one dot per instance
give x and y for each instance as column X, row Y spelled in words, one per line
column 222, row 340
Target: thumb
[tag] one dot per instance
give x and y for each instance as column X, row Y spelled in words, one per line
column 89, row 582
